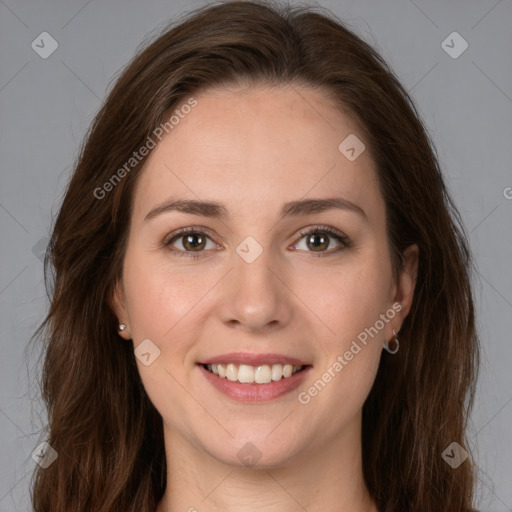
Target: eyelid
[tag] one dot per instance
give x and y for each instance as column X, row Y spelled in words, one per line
column 324, row 229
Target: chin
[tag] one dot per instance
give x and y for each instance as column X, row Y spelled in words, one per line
column 253, row 452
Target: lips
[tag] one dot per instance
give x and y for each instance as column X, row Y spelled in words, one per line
column 258, row 382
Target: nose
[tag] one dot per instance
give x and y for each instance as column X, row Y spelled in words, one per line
column 256, row 295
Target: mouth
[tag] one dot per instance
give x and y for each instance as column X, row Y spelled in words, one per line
column 248, row 374
column 253, row 378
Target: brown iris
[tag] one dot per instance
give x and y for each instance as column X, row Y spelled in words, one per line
column 321, row 239
column 190, row 242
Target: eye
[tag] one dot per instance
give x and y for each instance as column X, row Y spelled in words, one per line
column 192, row 241
column 318, row 239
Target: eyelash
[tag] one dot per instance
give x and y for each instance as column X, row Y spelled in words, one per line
column 344, row 240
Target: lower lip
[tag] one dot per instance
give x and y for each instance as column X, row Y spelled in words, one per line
column 256, row 392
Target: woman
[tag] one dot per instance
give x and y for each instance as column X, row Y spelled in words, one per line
column 262, row 292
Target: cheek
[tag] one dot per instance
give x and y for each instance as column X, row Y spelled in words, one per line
column 347, row 298
column 158, row 296
column 158, row 300
column 349, row 301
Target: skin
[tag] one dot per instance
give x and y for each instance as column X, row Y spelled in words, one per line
column 254, row 149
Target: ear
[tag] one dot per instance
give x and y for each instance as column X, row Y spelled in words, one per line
column 407, row 281
column 117, row 303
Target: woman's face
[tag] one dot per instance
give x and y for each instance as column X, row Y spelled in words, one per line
column 249, row 286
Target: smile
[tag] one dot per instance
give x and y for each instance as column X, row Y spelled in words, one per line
column 254, row 384
column 247, row 374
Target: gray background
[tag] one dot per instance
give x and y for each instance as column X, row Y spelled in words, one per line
column 46, row 106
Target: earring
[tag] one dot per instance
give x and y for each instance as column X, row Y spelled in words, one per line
column 122, row 327
column 393, row 349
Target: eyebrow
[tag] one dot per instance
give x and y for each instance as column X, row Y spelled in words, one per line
column 214, row 209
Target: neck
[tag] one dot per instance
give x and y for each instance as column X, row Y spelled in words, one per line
column 317, row 479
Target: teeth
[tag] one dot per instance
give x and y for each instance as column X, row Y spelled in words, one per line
column 245, row 373
column 231, row 372
column 263, row 374
column 277, row 371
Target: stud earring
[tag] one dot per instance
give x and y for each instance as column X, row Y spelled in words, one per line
column 122, row 327
column 392, row 347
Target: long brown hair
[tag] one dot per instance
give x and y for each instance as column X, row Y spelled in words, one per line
column 107, row 433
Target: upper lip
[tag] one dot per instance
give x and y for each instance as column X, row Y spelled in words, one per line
column 254, row 359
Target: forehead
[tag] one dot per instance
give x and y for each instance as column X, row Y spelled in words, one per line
column 256, row 148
